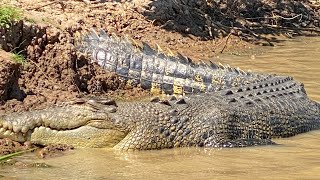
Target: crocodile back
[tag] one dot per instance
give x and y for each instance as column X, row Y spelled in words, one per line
column 278, row 107
column 242, row 116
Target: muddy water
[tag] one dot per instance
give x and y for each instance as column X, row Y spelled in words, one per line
column 294, row 158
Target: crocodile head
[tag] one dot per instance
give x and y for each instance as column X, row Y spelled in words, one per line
column 81, row 123
column 95, row 123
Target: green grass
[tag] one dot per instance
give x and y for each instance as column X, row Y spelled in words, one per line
column 8, row 156
column 18, row 58
column 9, row 14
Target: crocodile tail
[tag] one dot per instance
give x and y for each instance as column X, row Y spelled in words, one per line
column 150, row 69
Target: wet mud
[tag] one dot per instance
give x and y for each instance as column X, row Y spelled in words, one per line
column 8, row 146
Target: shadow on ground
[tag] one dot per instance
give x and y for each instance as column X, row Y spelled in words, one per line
column 248, row 19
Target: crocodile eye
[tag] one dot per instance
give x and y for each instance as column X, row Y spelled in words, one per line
column 112, row 109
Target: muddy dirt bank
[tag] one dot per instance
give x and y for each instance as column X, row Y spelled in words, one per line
column 53, row 72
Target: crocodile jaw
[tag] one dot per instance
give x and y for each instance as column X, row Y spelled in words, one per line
column 84, row 136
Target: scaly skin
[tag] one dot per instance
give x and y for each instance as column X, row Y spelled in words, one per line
column 239, row 108
column 235, row 117
column 160, row 73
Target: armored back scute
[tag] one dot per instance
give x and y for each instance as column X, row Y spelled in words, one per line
column 156, row 71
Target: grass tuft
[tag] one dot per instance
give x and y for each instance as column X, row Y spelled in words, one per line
column 18, row 58
column 8, row 156
column 9, row 14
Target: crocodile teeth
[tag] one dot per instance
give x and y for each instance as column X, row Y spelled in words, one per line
column 10, row 126
column 24, row 129
column 16, row 129
column 7, row 133
column 55, row 131
column 5, row 125
column 2, row 130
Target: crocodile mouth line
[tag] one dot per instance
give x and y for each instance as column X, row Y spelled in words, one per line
column 83, row 136
column 22, row 134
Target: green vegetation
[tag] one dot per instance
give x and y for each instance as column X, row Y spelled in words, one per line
column 9, row 14
column 18, row 58
column 8, row 156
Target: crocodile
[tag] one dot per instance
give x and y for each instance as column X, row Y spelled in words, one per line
column 140, row 65
column 223, row 106
column 241, row 116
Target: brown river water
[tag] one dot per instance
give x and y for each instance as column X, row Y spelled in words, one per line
column 293, row 158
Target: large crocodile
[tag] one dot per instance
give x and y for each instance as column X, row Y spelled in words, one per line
column 239, row 108
column 240, row 116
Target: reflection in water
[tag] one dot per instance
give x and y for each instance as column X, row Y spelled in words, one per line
column 297, row 157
